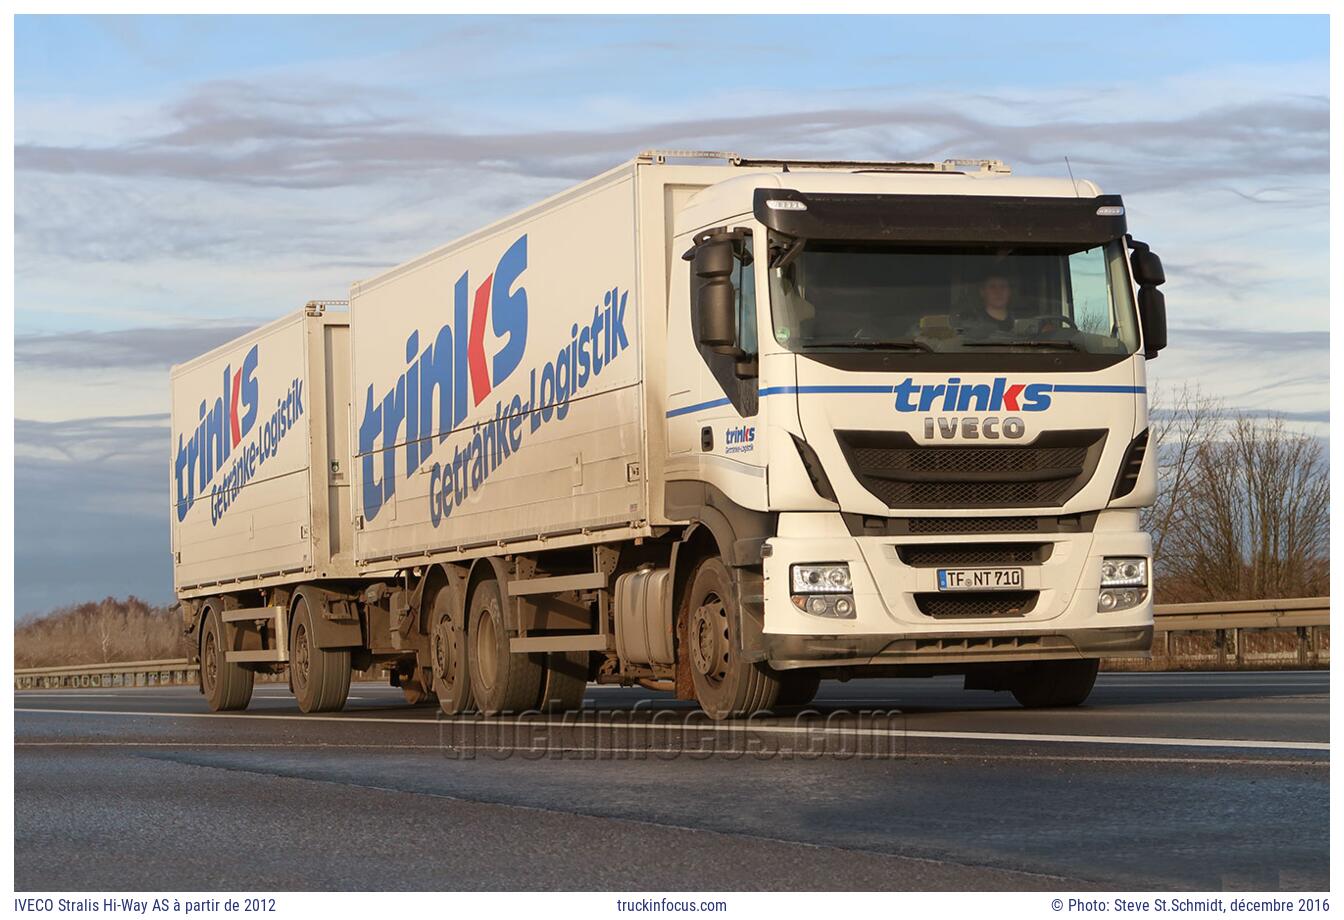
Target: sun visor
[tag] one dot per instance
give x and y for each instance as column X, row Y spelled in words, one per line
column 943, row 220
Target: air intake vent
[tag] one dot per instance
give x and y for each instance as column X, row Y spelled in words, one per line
column 929, row 555
column 974, row 525
column 981, row 605
column 904, row 474
column 1129, row 468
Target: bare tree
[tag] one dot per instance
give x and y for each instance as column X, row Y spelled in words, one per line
column 1254, row 511
column 1175, row 434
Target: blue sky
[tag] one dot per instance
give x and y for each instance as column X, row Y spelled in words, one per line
column 181, row 178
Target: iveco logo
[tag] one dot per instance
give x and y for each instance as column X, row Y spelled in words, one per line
column 972, row 427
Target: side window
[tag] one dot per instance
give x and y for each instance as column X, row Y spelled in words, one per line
column 742, row 391
column 1090, row 294
column 744, row 281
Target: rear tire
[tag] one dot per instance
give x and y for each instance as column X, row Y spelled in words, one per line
column 500, row 680
column 1049, row 684
column 448, row 649
column 227, row 685
column 566, row 679
column 726, row 686
column 320, row 676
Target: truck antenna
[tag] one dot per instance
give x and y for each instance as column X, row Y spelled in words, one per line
column 1071, row 179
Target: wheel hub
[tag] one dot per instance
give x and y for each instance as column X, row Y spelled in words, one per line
column 445, row 653
column 208, row 659
column 299, row 655
column 709, row 639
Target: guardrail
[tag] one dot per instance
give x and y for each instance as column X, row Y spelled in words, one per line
column 1279, row 633
column 1289, row 632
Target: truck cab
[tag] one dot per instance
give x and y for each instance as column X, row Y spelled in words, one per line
column 914, row 395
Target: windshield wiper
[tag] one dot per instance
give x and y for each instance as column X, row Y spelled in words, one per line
column 912, row 344
column 1032, row 343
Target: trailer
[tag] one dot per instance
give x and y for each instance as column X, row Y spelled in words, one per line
column 722, row 425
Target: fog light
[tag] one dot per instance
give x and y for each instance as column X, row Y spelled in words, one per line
column 1112, row 599
column 837, row 606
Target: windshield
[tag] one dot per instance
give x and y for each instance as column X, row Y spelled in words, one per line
column 832, row 296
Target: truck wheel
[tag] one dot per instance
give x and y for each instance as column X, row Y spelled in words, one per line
column 797, row 688
column 566, row 679
column 1056, row 683
column 449, row 646
column 320, row 676
column 500, row 680
column 725, row 685
column 227, row 685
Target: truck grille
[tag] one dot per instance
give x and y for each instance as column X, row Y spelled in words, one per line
column 904, row 474
column 977, row 605
column 974, row 525
column 929, row 555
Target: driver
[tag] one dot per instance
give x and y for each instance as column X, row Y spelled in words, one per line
column 995, row 293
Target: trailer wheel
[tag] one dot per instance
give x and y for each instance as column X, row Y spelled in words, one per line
column 227, row 685
column 449, row 646
column 565, row 680
column 725, row 684
column 320, row 676
column 1056, row 683
column 798, row 687
column 500, row 680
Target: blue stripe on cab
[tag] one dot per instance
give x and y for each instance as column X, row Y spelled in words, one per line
column 876, row 388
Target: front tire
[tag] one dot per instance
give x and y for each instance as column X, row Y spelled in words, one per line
column 500, row 680
column 797, row 688
column 227, row 685
column 1054, row 684
column 320, row 676
column 726, row 686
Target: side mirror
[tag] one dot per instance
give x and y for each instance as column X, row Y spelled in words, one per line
column 1147, row 267
column 717, row 305
column 1153, row 320
column 716, row 302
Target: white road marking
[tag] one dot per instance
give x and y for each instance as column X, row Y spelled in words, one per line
column 745, row 728
column 244, row 745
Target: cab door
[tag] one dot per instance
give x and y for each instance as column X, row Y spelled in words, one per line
column 716, row 418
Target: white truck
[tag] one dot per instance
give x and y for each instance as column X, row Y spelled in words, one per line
column 719, row 426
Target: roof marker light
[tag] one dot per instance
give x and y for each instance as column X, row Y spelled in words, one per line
column 785, row 204
column 1111, row 210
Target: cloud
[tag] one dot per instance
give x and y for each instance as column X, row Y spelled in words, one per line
column 123, row 439
column 91, row 506
column 328, row 136
column 132, row 349
column 1259, row 341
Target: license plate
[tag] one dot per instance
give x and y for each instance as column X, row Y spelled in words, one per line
column 979, row 579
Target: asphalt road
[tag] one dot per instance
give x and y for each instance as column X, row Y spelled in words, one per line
column 1201, row 781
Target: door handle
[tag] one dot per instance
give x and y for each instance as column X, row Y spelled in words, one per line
column 706, row 438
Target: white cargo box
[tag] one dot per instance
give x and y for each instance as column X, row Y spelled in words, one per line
column 509, row 387
column 258, row 469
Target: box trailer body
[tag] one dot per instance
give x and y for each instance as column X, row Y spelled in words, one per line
column 735, row 426
column 259, row 458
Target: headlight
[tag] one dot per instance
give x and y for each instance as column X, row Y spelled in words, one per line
column 823, row 590
column 832, row 578
column 1124, row 572
column 1124, row 583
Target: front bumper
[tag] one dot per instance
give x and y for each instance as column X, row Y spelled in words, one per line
column 785, row 652
column 889, row 628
